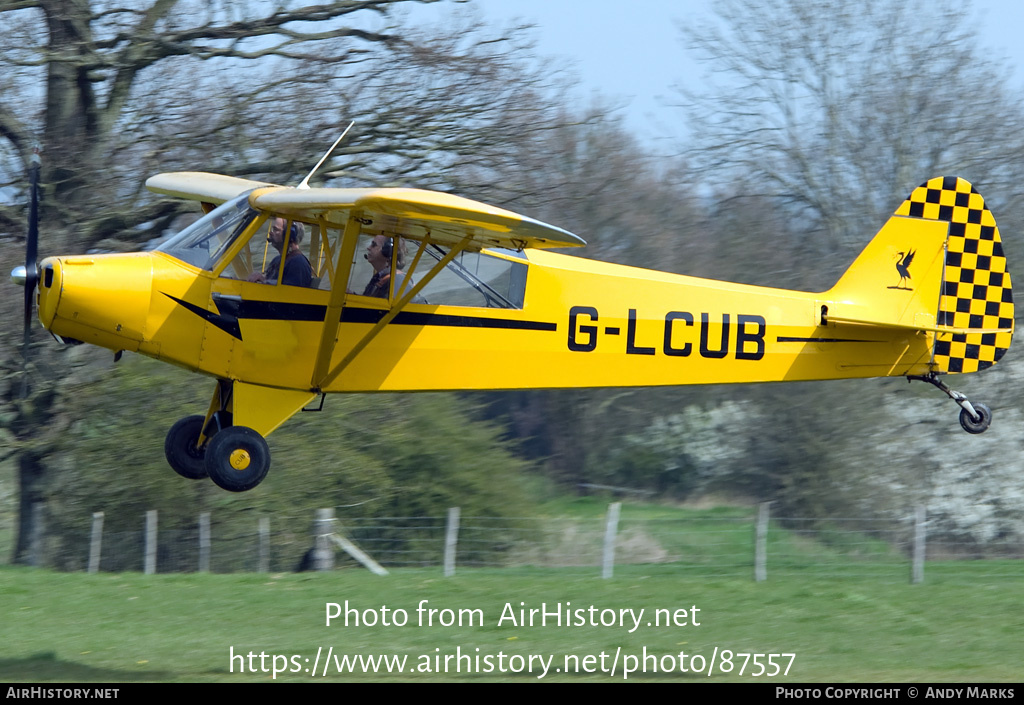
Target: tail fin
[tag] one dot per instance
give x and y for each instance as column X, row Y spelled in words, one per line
column 936, row 266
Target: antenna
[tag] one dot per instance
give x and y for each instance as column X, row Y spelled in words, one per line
column 305, row 181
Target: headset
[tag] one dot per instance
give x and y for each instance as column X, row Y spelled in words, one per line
column 297, row 232
column 388, row 248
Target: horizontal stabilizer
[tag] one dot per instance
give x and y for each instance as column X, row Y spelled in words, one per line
column 928, row 329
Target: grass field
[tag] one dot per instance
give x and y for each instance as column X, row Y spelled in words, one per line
column 127, row 627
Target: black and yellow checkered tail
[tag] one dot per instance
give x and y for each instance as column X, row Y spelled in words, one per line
column 975, row 304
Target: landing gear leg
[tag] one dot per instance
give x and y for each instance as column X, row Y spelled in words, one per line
column 235, row 457
column 974, row 418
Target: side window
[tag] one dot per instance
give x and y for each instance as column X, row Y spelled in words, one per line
column 363, row 269
column 379, row 270
column 378, row 267
column 478, row 279
column 309, row 264
column 323, row 249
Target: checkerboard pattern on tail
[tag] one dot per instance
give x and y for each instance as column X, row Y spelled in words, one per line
column 976, row 291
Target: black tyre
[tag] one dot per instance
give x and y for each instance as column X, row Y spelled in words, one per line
column 181, row 451
column 976, row 426
column 237, row 459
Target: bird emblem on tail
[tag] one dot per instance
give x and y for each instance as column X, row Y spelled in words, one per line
column 903, row 268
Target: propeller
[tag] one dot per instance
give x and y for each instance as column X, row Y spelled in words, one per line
column 28, row 275
column 32, row 240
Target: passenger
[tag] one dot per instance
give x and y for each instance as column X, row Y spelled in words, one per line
column 378, row 254
column 297, row 269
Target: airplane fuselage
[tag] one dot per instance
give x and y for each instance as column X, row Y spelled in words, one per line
column 583, row 323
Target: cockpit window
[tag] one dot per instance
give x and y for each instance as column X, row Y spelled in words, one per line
column 477, row 279
column 202, row 243
column 384, row 267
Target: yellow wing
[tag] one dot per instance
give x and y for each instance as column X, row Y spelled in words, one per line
column 201, row 186
column 412, row 213
column 415, row 213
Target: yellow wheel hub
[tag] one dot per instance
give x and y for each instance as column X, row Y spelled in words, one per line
column 239, row 459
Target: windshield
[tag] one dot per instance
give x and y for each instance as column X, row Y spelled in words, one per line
column 202, row 243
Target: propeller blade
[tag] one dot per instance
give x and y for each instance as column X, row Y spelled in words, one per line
column 32, row 242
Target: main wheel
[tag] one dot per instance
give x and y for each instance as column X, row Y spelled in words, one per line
column 976, row 426
column 237, row 458
column 181, row 449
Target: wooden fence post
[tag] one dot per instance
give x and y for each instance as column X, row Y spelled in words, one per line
column 150, row 557
column 761, row 543
column 611, row 527
column 917, row 567
column 95, row 542
column 204, row 542
column 323, row 554
column 357, row 553
column 264, row 532
column 451, row 538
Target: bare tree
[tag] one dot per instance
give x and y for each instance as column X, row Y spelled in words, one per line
column 826, row 113
column 116, row 92
column 842, row 107
column 447, row 107
column 73, row 69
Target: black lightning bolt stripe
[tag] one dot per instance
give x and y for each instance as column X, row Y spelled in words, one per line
column 231, row 310
column 784, row 339
column 269, row 310
column 411, row 318
column 227, row 323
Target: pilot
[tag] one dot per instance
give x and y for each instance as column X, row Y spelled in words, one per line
column 297, row 269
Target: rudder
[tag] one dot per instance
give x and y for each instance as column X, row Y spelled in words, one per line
column 976, row 291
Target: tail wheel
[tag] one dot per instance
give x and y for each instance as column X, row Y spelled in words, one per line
column 976, row 422
column 972, row 425
column 182, row 450
column 237, row 458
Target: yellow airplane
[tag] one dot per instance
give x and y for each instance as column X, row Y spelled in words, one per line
column 386, row 290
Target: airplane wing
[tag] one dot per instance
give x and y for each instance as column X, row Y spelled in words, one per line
column 411, row 213
column 415, row 213
column 201, row 186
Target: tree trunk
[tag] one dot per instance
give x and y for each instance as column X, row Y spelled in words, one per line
column 70, row 125
column 31, row 480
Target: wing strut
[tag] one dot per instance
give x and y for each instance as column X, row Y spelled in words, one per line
column 390, row 315
column 328, row 337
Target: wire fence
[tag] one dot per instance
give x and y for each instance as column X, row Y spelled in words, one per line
column 747, row 544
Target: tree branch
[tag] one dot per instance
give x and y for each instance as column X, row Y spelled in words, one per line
column 14, row 131
column 11, row 5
